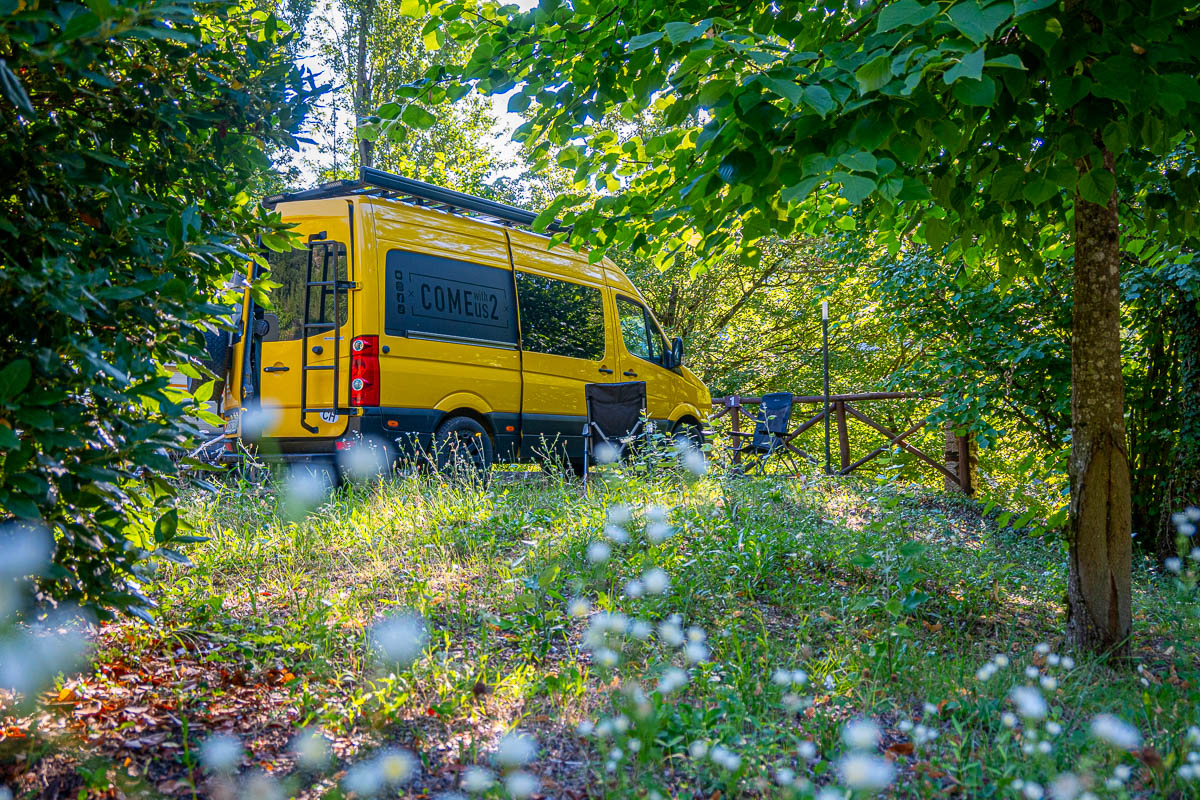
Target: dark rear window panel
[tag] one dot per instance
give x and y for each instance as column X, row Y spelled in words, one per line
column 429, row 295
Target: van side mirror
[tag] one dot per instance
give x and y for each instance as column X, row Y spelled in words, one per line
column 676, row 352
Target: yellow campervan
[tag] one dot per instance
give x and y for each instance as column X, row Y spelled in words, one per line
column 423, row 317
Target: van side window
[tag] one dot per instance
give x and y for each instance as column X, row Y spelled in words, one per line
column 560, row 318
column 638, row 331
column 287, row 300
column 444, row 298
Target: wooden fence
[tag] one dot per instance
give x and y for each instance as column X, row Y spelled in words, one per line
column 956, row 466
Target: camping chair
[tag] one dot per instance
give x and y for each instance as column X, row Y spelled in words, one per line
column 770, row 432
column 615, row 418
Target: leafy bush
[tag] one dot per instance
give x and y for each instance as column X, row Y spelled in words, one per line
column 133, row 134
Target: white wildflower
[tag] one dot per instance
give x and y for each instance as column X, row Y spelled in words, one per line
column 1066, row 786
column 598, row 552
column 616, row 534
column 860, row 734
column 658, row 532
column 1122, row 772
column 634, row 588
column 1173, row 564
column 671, row 634
column 1032, row 791
column 399, row 639
column 521, row 784
column 1049, row 683
column 695, row 652
column 656, row 581
column 807, row 750
column 785, row 776
column 397, row 766
column 865, row 772
column 1068, row 662
column 515, row 750
column 1115, row 732
column 1029, row 702
column 579, row 607
column 697, row 749
column 311, row 749
column 221, row 754
column 619, row 515
column 1042, row 649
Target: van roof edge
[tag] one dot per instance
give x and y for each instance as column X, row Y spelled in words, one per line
column 398, row 187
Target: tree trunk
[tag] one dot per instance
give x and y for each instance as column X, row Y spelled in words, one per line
column 1183, row 486
column 362, row 83
column 1098, row 528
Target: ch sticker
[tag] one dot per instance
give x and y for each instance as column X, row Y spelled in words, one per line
column 329, row 416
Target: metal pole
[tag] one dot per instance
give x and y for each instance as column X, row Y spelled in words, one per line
column 825, row 350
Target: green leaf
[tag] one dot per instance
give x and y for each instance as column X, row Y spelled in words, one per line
column 976, row 93
column 736, row 166
column 855, row 188
column 978, row 22
column 937, row 233
column 820, row 99
column 906, row 14
column 433, row 40
column 1008, row 61
column 875, row 74
column 643, row 40
column 1039, row 190
column 389, row 110
column 845, row 223
column 1029, row 6
column 418, row 117
column 969, row 66
column 799, row 191
column 680, row 32
column 1116, row 136
column 414, row 9
column 788, row 90
column 860, row 161
column 14, row 378
column 518, row 103
column 1097, row 186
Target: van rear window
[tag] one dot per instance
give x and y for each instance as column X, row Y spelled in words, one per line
column 443, row 297
column 560, row 318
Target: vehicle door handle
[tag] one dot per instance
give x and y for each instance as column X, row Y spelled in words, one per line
column 276, row 369
column 629, row 373
column 606, row 370
column 318, row 349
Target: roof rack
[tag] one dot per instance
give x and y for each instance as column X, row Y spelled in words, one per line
column 377, row 183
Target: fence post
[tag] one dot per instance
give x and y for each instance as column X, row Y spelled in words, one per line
column 843, row 433
column 961, row 460
column 735, row 414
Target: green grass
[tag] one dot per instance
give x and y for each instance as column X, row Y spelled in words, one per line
column 890, row 599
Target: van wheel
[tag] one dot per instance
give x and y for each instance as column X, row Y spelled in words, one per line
column 462, row 447
column 688, row 433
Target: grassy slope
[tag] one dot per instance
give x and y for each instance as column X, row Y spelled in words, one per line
column 889, row 601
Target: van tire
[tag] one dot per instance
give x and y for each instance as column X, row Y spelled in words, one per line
column 688, row 433
column 461, row 446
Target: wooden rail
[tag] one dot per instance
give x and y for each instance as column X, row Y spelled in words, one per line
column 956, row 468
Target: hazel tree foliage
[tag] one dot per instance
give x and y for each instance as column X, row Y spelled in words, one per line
column 134, row 136
column 992, row 132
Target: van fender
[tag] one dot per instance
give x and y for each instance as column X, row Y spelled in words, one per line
column 685, row 410
column 460, row 400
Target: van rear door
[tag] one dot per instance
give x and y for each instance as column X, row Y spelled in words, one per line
column 303, row 355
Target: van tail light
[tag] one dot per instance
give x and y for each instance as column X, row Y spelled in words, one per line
column 364, row 371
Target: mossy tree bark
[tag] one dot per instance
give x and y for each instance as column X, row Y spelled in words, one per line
column 1098, row 529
